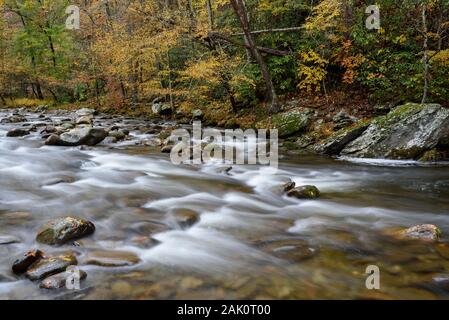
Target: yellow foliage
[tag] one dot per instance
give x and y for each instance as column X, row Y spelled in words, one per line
column 440, row 59
column 312, row 70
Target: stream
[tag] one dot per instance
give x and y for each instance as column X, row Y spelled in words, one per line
column 250, row 242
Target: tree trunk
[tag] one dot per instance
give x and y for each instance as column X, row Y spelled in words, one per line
column 240, row 11
column 426, row 55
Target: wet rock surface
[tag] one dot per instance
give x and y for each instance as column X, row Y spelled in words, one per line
column 59, row 280
column 304, row 192
column 62, row 230
column 111, row 258
column 18, row 133
column 425, row 232
column 77, row 137
column 292, row 122
column 22, row 264
column 46, row 267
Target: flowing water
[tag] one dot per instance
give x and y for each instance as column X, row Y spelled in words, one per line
column 251, row 242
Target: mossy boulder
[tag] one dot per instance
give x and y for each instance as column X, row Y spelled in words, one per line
column 63, row 230
column 304, row 192
column 406, row 132
column 292, row 122
column 432, row 156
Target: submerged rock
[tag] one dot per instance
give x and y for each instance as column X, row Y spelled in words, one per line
column 105, row 258
column 46, row 267
column 14, row 119
column 185, row 217
column 304, row 192
column 426, row 232
column 406, row 132
column 22, row 264
column 292, row 122
column 8, row 240
column 59, row 280
column 288, row 186
column 18, row 133
column 62, row 230
column 77, row 137
column 118, row 134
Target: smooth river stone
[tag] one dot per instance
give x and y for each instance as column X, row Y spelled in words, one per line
column 22, row 264
column 62, row 230
column 59, row 280
column 49, row 266
column 111, row 258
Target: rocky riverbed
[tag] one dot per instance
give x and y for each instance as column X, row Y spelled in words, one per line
column 95, row 191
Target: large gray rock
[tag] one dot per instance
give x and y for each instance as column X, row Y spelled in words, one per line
column 85, row 112
column 14, row 119
column 84, row 120
column 77, row 137
column 62, row 230
column 337, row 142
column 406, row 132
column 292, row 122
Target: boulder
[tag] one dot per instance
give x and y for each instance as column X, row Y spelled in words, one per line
column 406, row 132
column 85, row 112
column 288, row 186
column 292, row 122
column 337, row 142
column 77, row 137
column 425, row 232
column 342, row 120
column 62, row 230
column 18, row 133
column 84, row 120
column 304, row 192
column 22, row 264
column 14, row 119
column 161, row 109
column 46, row 267
column 118, row 134
column 59, row 280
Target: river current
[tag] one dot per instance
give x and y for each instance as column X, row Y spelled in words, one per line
column 250, row 242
